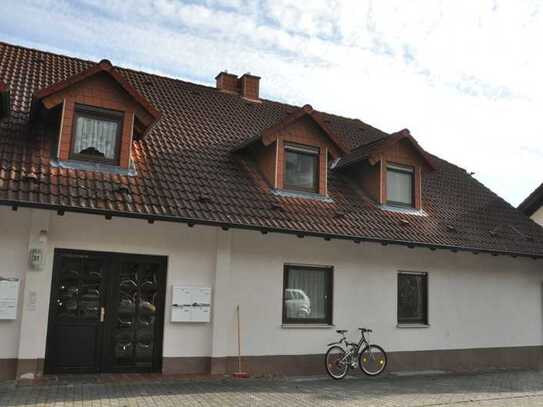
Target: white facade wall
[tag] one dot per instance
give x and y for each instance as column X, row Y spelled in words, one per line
column 537, row 216
column 475, row 301
column 14, row 232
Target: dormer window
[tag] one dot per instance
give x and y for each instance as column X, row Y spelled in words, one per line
column 99, row 115
column 292, row 155
column 400, row 186
column 301, row 168
column 97, row 134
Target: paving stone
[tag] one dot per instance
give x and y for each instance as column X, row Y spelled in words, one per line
column 514, row 388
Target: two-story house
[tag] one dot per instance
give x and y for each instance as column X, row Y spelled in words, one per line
column 137, row 212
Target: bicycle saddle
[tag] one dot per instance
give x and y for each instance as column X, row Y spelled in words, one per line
column 341, row 331
column 365, row 330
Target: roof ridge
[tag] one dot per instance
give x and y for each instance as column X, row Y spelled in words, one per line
column 9, row 44
column 177, row 79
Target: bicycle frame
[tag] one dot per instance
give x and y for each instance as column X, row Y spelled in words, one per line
column 352, row 346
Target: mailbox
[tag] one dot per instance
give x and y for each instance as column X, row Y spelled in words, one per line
column 191, row 304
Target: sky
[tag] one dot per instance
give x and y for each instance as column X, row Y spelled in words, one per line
column 463, row 76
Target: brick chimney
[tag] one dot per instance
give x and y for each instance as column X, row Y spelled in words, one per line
column 247, row 86
column 250, row 86
column 227, row 82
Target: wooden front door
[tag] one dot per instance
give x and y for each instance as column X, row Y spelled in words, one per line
column 106, row 313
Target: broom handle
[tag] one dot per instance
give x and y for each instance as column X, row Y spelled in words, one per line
column 239, row 341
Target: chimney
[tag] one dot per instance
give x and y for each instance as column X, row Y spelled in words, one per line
column 247, row 86
column 227, row 82
column 250, row 86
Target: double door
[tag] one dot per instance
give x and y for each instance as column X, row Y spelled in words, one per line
column 106, row 313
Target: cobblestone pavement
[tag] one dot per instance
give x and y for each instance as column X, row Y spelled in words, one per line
column 519, row 388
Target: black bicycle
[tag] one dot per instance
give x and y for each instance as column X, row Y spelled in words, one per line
column 342, row 355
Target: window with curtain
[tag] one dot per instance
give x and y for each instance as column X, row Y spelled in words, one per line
column 301, row 168
column 400, row 183
column 96, row 134
column 307, row 296
column 413, row 298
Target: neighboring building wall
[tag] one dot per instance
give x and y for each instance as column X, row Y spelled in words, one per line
column 493, row 304
column 537, row 216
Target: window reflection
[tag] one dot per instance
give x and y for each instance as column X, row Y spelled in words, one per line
column 307, row 294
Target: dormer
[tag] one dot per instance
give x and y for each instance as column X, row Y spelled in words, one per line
column 389, row 170
column 100, row 114
column 4, row 100
column 294, row 154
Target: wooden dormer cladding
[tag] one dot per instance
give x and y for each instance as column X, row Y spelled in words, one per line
column 302, row 130
column 369, row 164
column 99, row 89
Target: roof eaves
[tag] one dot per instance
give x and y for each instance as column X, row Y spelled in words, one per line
column 194, row 221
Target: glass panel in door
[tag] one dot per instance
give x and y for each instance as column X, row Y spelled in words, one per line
column 134, row 320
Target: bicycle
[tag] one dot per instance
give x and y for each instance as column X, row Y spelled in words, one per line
column 371, row 358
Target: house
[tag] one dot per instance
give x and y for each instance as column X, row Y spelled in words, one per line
column 139, row 211
column 532, row 206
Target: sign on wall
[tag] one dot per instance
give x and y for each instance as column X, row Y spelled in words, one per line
column 191, row 304
column 9, row 294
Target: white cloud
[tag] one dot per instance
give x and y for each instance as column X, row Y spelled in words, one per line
column 463, row 76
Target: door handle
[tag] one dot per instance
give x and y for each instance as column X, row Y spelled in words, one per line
column 102, row 314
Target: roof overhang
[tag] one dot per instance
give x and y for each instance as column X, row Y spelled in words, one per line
column 372, row 151
column 533, row 202
column 267, row 135
column 4, row 100
column 103, row 67
column 240, row 226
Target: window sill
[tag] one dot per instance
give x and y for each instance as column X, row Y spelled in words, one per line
column 300, row 194
column 307, row 326
column 413, row 326
column 93, row 166
column 404, row 210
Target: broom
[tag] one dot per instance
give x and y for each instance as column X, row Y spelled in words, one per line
column 239, row 374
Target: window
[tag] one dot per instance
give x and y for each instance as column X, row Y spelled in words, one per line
column 96, row 134
column 400, row 186
column 413, row 298
column 301, row 168
column 307, row 295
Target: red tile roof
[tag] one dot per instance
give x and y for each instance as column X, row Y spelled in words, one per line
column 186, row 171
column 4, row 99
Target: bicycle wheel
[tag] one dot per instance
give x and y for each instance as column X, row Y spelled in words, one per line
column 336, row 363
column 372, row 360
